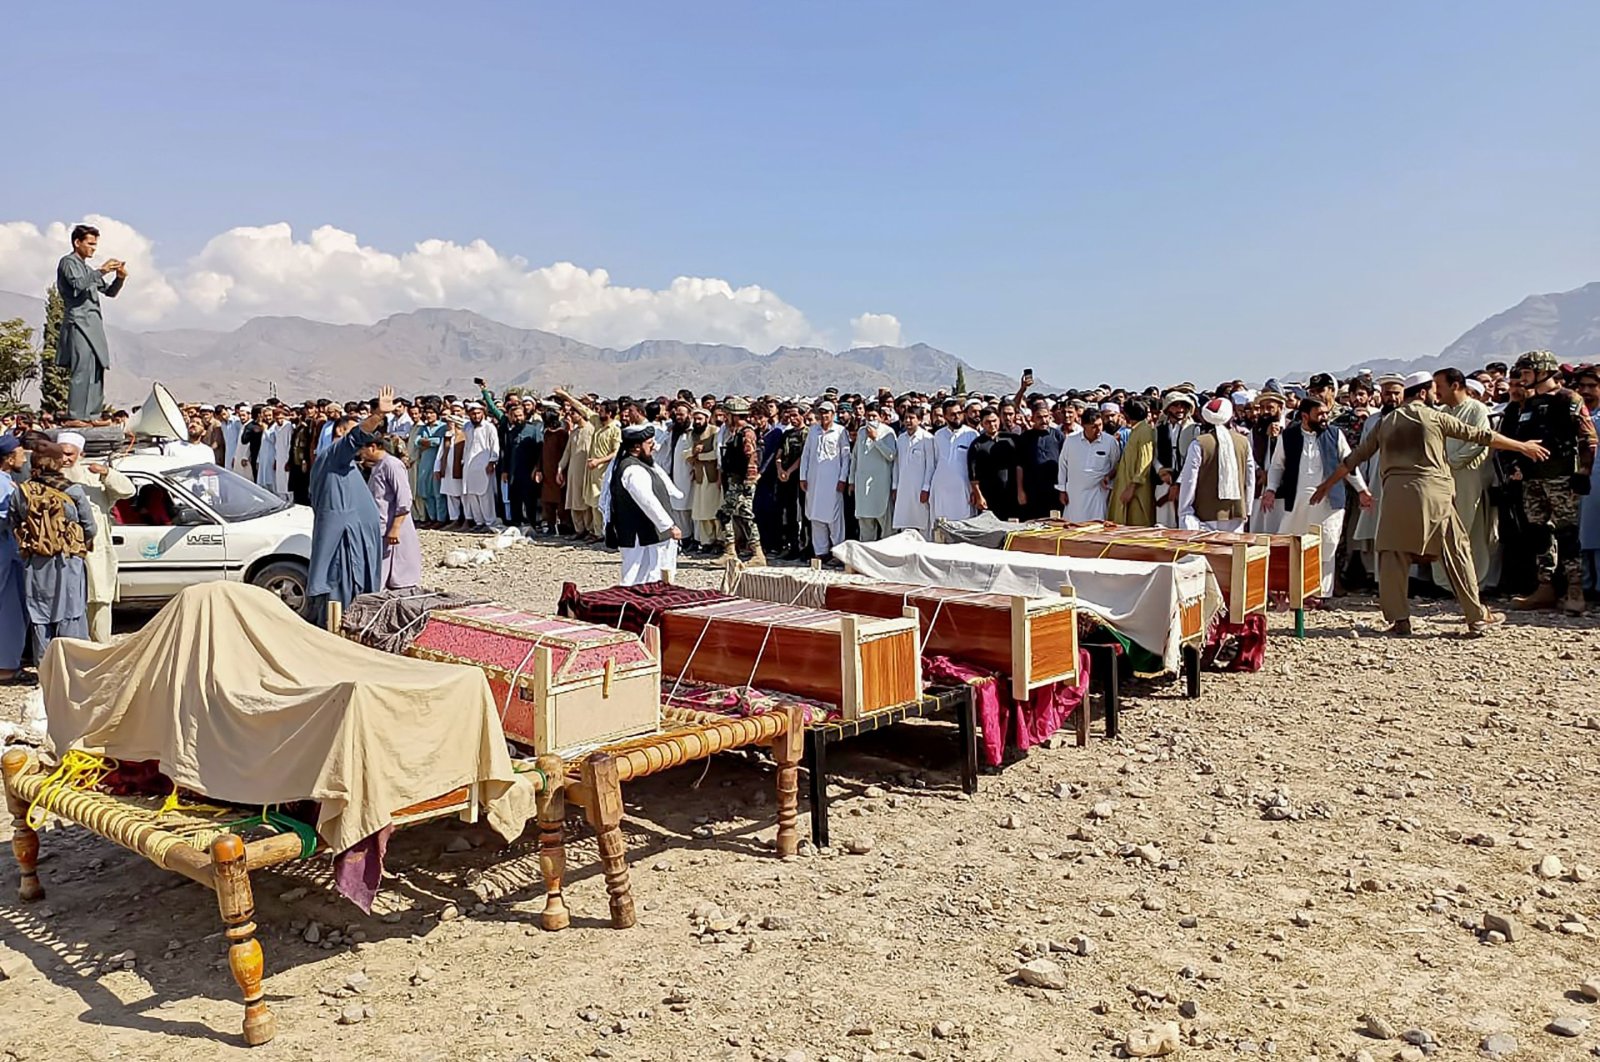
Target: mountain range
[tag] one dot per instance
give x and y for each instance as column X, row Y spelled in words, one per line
column 441, row 351
column 1566, row 323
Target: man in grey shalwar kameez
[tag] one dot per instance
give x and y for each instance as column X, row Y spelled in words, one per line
column 391, row 491
column 82, row 345
column 346, row 530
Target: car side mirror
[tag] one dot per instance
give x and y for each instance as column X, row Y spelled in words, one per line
column 189, row 516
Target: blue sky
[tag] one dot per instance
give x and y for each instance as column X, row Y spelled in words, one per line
column 1236, row 186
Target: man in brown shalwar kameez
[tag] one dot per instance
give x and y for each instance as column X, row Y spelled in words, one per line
column 1418, row 516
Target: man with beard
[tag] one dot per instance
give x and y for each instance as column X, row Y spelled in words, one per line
column 824, row 474
column 675, row 462
column 913, row 473
column 551, row 451
column 740, row 460
column 1419, row 516
column 1265, row 431
column 391, row 493
column 479, row 460
column 1347, row 569
column 1391, row 390
column 950, row 497
column 705, row 494
column 1307, row 455
column 872, row 475
column 1177, row 430
column 1088, row 464
column 1133, row 489
column 992, row 468
column 791, row 500
column 1038, row 457
column 1214, row 488
column 637, row 502
column 346, row 530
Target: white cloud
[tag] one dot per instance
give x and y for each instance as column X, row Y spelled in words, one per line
column 875, row 330
column 330, row 276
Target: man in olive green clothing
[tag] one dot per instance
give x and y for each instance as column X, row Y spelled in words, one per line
column 1419, row 513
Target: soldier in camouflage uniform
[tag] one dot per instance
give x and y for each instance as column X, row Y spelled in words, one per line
column 1551, row 490
column 741, row 466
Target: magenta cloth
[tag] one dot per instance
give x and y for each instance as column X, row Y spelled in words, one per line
column 358, row 870
column 1251, row 636
column 999, row 717
column 739, row 701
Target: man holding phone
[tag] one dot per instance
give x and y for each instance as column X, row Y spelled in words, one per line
column 82, row 347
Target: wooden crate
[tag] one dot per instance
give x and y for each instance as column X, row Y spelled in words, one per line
column 1034, row 640
column 859, row 663
column 1294, row 567
column 563, row 686
column 1241, row 568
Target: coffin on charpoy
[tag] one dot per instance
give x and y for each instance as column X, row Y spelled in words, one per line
column 562, row 686
column 859, row 663
column 1034, row 640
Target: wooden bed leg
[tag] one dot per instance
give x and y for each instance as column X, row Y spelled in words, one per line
column 604, row 810
column 552, row 806
column 238, row 908
column 788, row 749
column 24, row 840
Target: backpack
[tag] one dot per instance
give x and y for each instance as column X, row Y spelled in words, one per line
column 44, row 530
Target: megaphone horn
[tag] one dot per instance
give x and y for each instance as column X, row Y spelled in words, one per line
column 160, row 417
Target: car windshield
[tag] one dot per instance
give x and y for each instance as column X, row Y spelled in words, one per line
column 230, row 495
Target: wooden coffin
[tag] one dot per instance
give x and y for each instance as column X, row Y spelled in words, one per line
column 1240, row 568
column 1034, row 640
column 563, row 686
column 859, row 663
column 1294, row 566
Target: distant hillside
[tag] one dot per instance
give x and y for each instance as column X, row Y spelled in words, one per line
column 1567, row 323
column 442, row 350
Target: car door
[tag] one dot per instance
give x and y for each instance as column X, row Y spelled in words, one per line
column 165, row 540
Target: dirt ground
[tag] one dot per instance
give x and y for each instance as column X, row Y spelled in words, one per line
column 1295, row 864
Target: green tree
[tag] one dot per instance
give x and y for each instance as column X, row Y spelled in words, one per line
column 961, row 379
column 19, row 362
column 54, row 382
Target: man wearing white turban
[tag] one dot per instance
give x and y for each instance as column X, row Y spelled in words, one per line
column 1219, row 473
column 105, row 486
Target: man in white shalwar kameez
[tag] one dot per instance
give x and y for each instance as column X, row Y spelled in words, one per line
column 950, row 489
column 824, row 472
column 913, row 475
column 1217, row 485
column 1306, row 454
column 637, row 502
column 478, row 463
column 1088, row 464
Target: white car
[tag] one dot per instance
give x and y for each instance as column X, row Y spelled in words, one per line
column 191, row 523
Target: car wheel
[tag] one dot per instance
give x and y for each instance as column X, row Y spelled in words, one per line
column 288, row 580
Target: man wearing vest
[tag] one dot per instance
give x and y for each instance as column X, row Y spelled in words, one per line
column 637, row 501
column 1552, row 488
column 1219, row 471
column 1307, row 453
column 741, row 466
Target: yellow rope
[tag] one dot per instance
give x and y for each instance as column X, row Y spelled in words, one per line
column 79, row 771
column 174, row 804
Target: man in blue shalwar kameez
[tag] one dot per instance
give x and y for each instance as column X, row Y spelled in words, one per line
column 13, row 619
column 346, row 530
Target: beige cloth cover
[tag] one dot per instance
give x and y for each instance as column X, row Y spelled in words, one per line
column 242, row 700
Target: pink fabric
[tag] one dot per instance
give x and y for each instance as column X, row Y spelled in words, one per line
column 1000, row 718
column 742, row 701
column 1251, row 636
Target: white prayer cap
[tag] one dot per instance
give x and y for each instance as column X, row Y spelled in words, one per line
column 1110, row 407
column 1218, row 411
column 1418, row 378
column 1242, row 398
column 474, row 405
column 974, row 403
column 70, row 438
column 1475, row 386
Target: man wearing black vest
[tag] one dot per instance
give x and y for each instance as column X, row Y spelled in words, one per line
column 638, row 500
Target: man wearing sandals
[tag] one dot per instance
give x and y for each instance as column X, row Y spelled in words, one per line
column 1418, row 517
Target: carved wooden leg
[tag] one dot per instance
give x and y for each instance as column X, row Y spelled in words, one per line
column 238, row 908
column 24, row 841
column 552, row 841
column 788, row 749
column 604, row 810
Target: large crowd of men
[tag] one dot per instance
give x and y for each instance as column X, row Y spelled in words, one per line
column 789, row 478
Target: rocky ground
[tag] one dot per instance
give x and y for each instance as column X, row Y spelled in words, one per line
column 1370, row 849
